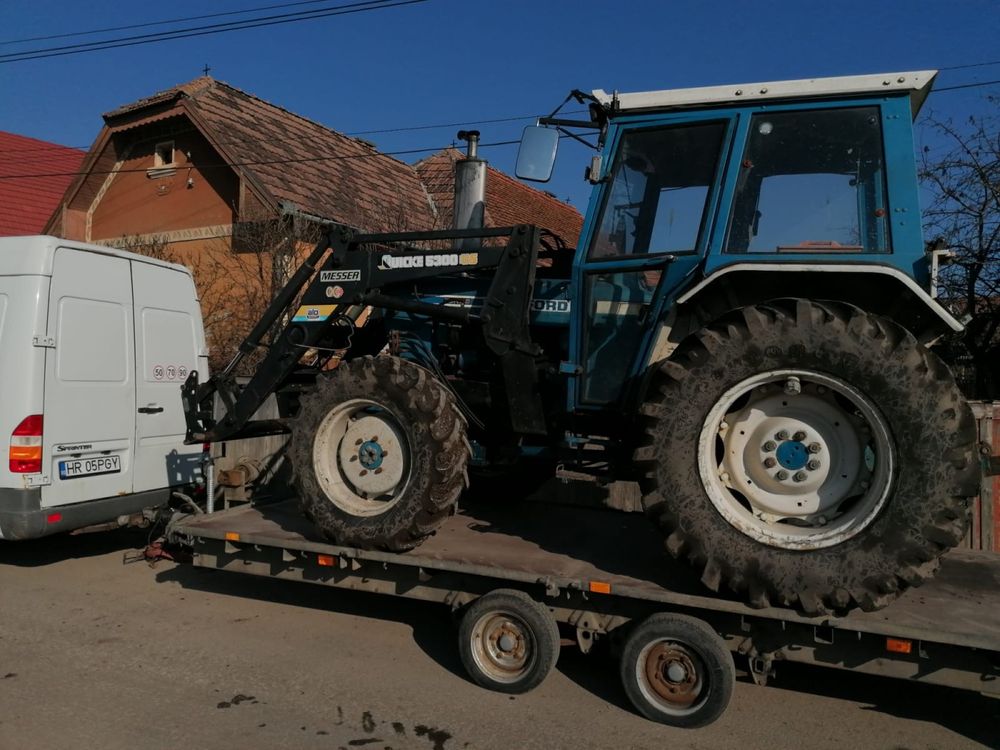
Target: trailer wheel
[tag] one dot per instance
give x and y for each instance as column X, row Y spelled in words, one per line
column 677, row 671
column 808, row 454
column 379, row 453
column 508, row 641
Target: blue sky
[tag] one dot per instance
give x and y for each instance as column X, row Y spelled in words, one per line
column 458, row 61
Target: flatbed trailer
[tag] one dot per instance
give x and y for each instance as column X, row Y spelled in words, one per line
column 516, row 569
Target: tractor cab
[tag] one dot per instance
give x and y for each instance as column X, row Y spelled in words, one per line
column 690, row 184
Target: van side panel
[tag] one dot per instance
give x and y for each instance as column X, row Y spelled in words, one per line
column 23, row 304
column 89, row 379
column 169, row 340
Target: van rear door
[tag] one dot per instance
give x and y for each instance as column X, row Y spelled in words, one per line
column 89, row 378
column 169, row 340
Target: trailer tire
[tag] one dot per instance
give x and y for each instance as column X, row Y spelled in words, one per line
column 677, row 671
column 387, row 490
column 508, row 641
column 705, row 483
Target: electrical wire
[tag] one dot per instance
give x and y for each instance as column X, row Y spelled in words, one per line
column 149, row 24
column 265, row 162
column 264, row 21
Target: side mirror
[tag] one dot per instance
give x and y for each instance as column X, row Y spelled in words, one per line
column 537, row 153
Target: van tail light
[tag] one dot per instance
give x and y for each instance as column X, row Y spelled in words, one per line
column 26, row 446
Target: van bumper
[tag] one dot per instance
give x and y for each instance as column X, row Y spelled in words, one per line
column 23, row 517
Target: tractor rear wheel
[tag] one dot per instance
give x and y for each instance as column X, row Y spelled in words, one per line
column 808, row 454
column 379, row 453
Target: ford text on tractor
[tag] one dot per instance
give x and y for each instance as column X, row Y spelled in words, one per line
column 744, row 331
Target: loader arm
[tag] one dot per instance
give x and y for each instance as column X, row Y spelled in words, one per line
column 352, row 271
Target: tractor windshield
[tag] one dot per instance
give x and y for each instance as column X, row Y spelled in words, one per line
column 811, row 181
column 660, row 185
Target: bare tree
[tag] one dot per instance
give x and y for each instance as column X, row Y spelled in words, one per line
column 964, row 182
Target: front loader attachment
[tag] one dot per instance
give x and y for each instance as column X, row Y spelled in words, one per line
column 348, row 272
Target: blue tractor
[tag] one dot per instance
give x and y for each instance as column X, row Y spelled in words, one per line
column 743, row 332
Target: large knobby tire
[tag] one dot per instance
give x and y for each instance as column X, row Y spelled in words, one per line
column 379, row 453
column 676, row 670
column 508, row 641
column 807, row 454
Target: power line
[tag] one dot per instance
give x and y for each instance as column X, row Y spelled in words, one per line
column 964, row 86
column 255, row 163
column 206, row 30
column 158, row 23
column 353, row 133
column 971, row 65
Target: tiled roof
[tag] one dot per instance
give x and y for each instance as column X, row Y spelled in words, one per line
column 26, row 203
column 508, row 201
column 297, row 160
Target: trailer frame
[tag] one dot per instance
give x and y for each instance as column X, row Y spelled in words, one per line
column 946, row 632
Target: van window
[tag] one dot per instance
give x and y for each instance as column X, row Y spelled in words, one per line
column 92, row 341
column 168, row 350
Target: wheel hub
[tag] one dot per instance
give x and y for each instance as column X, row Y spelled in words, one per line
column 672, row 675
column 370, row 454
column 796, row 459
column 361, row 457
column 502, row 646
column 793, row 455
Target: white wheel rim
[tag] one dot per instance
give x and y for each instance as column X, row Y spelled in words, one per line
column 670, row 676
column 361, row 458
column 502, row 646
column 796, row 459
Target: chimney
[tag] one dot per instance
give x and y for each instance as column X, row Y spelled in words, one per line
column 470, row 189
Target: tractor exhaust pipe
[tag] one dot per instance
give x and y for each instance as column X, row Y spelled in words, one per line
column 470, row 189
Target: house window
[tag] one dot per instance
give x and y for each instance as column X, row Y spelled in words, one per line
column 163, row 155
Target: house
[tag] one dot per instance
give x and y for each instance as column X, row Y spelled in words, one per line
column 187, row 164
column 508, row 201
column 34, row 175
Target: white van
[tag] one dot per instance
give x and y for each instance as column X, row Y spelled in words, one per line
column 94, row 346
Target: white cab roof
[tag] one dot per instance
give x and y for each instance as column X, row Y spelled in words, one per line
column 917, row 83
column 32, row 256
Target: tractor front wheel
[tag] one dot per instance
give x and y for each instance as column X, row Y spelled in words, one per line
column 379, row 453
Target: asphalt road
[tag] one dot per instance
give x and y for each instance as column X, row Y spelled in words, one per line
column 95, row 653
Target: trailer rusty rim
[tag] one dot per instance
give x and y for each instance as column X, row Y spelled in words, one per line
column 671, row 676
column 796, row 459
column 503, row 647
column 361, row 457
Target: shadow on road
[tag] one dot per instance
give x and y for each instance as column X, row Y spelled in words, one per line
column 432, row 627
column 971, row 715
column 53, row 549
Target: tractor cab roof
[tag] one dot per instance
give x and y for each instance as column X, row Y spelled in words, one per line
column 917, row 83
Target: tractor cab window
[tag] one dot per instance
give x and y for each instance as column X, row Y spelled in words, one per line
column 811, row 182
column 660, row 183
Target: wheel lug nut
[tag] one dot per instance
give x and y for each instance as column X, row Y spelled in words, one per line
column 364, row 472
column 800, row 436
column 781, row 435
column 770, row 445
column 781, row 476
column 800, row 476
column 813, row 465
column 815, row 447
column 769, row 462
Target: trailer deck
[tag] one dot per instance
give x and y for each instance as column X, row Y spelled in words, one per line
column 597, row 569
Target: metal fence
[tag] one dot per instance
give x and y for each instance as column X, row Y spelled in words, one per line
column 984, row 533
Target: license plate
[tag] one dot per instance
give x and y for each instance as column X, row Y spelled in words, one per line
column 88, row 467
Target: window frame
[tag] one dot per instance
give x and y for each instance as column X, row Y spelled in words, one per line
column 726, row 120
column 732, row 188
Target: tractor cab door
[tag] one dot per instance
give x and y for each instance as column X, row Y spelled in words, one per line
column 648, row 236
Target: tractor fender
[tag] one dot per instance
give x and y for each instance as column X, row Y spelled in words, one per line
column 875, row 288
